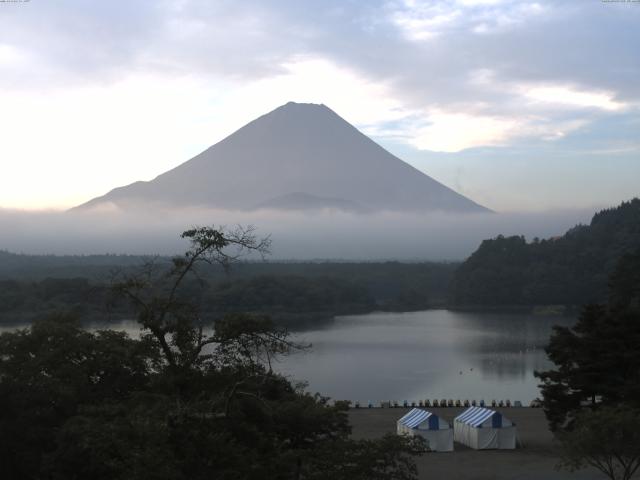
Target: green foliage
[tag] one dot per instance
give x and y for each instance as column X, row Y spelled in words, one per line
column 275, row 294
column 81, row 405
column 624, row 284
column 21, row 301
column 568, row 270
column 178, row 403
column 597, row 362
column 295, row 295
column 48, row 372
column 38, row 267
column 607, row 439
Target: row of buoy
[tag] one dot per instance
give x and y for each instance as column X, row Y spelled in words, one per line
column 447, row 403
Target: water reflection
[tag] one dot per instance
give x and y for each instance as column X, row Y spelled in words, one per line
column 418, row 355
column 429, row 354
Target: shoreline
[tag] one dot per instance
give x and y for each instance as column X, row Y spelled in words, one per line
column 536, row 460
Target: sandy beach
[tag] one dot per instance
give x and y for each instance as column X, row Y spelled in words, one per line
column 536, row 460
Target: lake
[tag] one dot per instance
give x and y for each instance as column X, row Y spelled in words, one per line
column 418, row 355
column 427, row 354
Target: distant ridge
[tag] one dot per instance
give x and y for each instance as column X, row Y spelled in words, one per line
column 299, row 156
column 572, row 269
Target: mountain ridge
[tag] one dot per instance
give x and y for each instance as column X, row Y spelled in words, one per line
column 571, row 269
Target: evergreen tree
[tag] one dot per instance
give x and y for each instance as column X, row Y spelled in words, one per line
column 598, row 360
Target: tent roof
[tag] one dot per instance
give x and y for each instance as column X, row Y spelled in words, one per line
column 415, row 417
column 475, row 416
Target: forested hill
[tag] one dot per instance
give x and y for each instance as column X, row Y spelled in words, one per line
column 568, row 270
column 37, row 267
column 293, row 293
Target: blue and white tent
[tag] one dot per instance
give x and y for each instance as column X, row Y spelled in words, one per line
column 481, row 428
column 436, row 431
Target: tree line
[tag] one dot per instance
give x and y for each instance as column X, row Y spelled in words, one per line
column 292, row 295
column 569, row 270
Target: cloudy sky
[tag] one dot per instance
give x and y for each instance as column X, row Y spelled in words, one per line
column 520, row 105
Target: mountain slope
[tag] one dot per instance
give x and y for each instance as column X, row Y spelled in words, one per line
column 305, row 202
column 568, row 270
column 296, row 149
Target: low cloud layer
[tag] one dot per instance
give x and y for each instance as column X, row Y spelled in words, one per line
column 295, row 236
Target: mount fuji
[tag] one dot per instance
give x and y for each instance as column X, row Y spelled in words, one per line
column 297, row 157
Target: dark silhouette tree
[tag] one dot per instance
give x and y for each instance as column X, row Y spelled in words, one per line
column 607, row 439
column 592, row 397
column 597, row 360
column 162, row 302
column 49, row 372
column 185, row 401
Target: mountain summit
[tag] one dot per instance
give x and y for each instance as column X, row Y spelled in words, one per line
column 297, row 157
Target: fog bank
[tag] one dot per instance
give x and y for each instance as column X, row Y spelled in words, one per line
column 296, row 235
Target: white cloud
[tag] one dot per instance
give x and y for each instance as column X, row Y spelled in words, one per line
column 378, row 110
column 475, row 3
column 77, row 143
column 70, row 145
column 453, row 132
column 11, row 56
column 317, row 80
column 494, row 20
column 421, row 20
column 573, row 97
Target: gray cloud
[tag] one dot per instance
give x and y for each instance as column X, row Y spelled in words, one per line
column 587, row 43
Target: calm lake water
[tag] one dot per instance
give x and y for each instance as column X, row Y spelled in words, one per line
column 428, row 354
column 417, row 355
